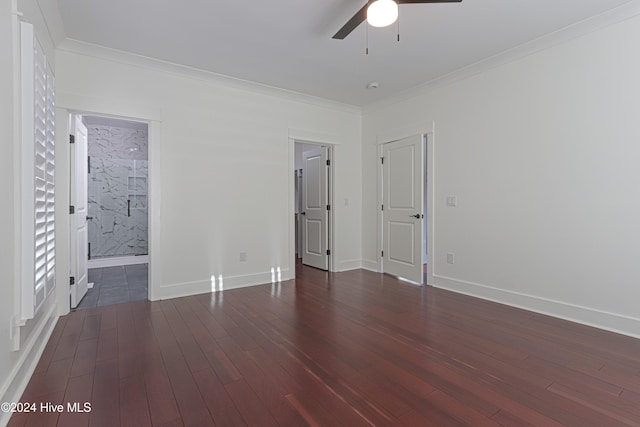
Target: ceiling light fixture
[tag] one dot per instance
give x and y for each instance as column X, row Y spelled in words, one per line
column 382, row 13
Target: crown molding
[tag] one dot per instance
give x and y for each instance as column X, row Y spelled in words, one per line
column 148, row 63
column 595, row 23
column 52, row 19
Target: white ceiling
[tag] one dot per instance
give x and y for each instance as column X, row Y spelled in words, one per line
column 287, row 43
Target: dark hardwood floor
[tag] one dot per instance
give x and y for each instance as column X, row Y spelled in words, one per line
column 346, row 349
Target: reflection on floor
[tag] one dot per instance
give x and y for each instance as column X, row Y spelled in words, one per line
column 114, row 285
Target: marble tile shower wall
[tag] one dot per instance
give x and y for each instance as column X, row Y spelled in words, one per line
column 117, row 191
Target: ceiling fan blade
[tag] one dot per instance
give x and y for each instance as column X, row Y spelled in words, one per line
column 428, row 1
column 361, row 15
column 352, row 24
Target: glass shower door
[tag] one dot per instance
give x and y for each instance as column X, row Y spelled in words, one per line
column 118, row 208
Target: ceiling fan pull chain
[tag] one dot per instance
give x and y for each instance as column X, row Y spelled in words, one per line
column 366, row 49
column 398, row 20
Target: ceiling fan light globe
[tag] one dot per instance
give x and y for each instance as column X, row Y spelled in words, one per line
column 382, row 13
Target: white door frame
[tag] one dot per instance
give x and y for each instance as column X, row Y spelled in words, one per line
column 429, row 197
column 66, row 107
column 317, row 139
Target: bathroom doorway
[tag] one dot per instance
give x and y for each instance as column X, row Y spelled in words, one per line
column 117, row 211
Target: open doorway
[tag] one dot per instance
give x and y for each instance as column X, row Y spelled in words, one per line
column 115, row 162
column 312, row 179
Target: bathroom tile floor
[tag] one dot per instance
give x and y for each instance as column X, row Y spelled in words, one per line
column 115, row 285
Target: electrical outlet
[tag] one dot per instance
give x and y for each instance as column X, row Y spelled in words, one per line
column 450, row 258
column 243, row 257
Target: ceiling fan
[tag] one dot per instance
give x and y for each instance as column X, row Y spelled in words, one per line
column 379, row 13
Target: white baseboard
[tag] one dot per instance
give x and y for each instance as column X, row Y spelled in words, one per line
column 587, row 316
column 352, row 264
column 117, row 261
column 370, row 265
column 15, row 384
column 214, row 284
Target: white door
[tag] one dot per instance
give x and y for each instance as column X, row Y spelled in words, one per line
column 402, row 194
column 315, row 208
column 79, row 239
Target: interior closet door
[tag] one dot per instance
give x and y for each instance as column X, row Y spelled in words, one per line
column 403, row 218
column 315, row 208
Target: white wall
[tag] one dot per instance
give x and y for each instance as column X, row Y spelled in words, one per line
column 7, row 219
column 543, row 154
column 16, row 365
column 225, row 164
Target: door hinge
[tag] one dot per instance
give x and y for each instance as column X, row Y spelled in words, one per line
column 72, row 280
column 88, row 164
column 382, row 207
column 72, row 209
column 382, row 160
column 328, row 252
column 72, row 139
column 382, row 253
column 328, row 162
column 328, row 207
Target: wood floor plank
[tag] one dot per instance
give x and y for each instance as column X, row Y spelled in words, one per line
column 105, row 398
column 162, row 404
column 85, row 358
column 193, row 409
column 330, row 349
column 79, row 391
column 222, row 409
column 134, row 407
column 254, row 412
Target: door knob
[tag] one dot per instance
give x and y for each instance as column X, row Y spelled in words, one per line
column 89, row 217
column 303, row 213
column 416, row 216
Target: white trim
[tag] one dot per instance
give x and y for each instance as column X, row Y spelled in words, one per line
column 154, row 142
column 584, row 315
column 27, row 178
column 313, row 137
column 118, row 261
column 291, row 204
column 307, row 137
column 107, row 108
column 75, row 104
column 178, row 290
column 370, row 265
column 430, row 190
column 118, row 56
column 611, row 17
column 431, row 202
column 16, row 382
column 351, row 264
column 63, row 157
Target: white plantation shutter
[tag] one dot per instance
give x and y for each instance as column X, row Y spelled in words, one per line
column 50, row 176
column 38, row 163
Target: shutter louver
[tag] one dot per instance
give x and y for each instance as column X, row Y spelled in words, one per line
column 38, row 174
column 50, row 178
column 40, row 147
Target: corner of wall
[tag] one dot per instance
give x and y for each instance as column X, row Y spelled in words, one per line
column 370, row 265
column 28, row 356
column 587, row 316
